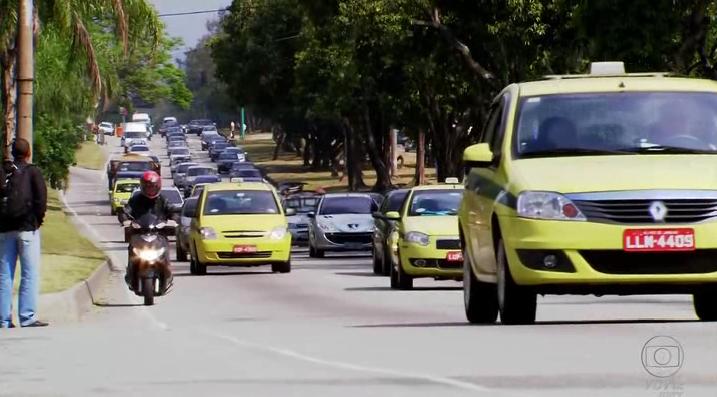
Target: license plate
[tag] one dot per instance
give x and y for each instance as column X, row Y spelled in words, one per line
column 659, row 240
column 244, row 249
column 454, row 256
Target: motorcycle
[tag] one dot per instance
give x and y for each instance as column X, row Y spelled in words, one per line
column 151, row 273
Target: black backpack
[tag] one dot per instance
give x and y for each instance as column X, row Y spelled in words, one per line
column 15, row 200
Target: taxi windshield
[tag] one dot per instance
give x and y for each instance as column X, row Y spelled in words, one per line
column 240, row 202
column 435, row 203
column 617, row 124
column 302, row 205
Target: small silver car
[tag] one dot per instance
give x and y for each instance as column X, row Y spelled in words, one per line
column 342, row 222
column 303, row 203
column 184, row 227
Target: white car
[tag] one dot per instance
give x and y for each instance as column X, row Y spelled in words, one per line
column 341, row 222
column 106, row 128
column 135, row 133
column 139, row 149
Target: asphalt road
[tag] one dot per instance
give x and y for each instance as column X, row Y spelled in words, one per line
column 332, row 328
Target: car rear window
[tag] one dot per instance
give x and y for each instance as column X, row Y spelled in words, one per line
column 172, row 196
column 395, row 201
column 347, row 205
column 127, row 187
column 189, row 206
column 240, row 202
column 200, row 171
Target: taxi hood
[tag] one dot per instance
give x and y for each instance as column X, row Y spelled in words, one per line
column 614, row 173
column 432, row 225
column 260, row 222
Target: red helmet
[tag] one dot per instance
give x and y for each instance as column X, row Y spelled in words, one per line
column 150, row 184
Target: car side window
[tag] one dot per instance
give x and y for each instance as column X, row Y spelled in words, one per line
column 496, row 142
column 490, row 125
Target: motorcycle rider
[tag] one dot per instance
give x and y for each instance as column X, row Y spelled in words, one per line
column 148, row 201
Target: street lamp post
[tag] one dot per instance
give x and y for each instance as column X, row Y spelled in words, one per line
column 25, row 70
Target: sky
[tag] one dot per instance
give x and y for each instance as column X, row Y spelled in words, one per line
column 189, row 28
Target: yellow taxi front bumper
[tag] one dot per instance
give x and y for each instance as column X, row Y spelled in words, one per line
column 429, row 261
column 224, row 251
column 593, row 253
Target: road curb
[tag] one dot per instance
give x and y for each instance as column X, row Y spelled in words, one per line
column 70, row 304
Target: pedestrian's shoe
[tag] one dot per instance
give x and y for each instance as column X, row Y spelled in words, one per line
column 37, row 323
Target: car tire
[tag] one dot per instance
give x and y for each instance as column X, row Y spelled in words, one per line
column 377, row 264
column 312, row 252
column 705, row 306
column 393, row 274
column 113, row 212
column 405, row 282
column 386, row 269
column 281, row 267
column 181, row 253
column 319, row 253
column 127, row 235
column 480, row 299
column 517, row 304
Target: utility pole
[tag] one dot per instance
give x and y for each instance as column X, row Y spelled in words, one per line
column 421, row 158
column 25, row 70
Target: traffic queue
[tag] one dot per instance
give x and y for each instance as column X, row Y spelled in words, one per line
column 579, row 184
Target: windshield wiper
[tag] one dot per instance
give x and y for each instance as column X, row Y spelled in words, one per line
column 660, row 149
column 574, row 152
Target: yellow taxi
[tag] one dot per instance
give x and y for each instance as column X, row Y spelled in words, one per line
column 121, row 192
column 425, row 239
column 239, row 224
column 592, row 184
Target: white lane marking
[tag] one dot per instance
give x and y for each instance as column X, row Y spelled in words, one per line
column 355, row 367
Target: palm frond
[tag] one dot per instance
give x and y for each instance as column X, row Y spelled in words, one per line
column 121, row 20
column 82, row 39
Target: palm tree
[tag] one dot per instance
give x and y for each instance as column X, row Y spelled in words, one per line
column 129, row 20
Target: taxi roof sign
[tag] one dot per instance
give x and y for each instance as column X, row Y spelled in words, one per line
column 452, row 180
column 607, row 68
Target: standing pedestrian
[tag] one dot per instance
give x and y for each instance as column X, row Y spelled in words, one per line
column 232, row 126
column 23, row 203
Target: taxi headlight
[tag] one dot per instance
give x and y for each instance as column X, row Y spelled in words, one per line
column 208, row 233
column 417, row 238
column 548, row 205
column 278, row 233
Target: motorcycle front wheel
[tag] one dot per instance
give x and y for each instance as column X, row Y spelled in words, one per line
column 148, row 291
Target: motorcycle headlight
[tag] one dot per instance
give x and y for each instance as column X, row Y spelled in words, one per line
column 278, row 233
column 549, row 206
column 326, row 226
column 148, row 255
column 417, row 238
column 208, row 233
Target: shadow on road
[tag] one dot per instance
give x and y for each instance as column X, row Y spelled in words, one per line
column 412, row 325
column 414, row 289
column 118, row 304
column 357, row 274
column 220, row 274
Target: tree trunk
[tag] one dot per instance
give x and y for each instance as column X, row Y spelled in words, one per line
column 9, row 98
column 353, row 159
column 280, row 138
column 383, row 176
column 420, row 177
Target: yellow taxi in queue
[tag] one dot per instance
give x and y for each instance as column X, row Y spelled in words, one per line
column 426, row 239
column 121, row 192
column 239, row 224
column 592, row 184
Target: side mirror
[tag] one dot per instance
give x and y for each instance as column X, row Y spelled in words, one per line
column 290, row 212
column 311, row 215
column 393, row 216
column 191, row 213
column 478, row 155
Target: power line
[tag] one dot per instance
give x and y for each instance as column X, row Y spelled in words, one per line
column 176, row 14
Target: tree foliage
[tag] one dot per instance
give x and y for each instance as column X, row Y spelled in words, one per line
column 354, row 69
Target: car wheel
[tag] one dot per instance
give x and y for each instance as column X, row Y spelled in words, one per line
column 127, row 235
column 181, row 254
column 480, row 299
column 312, row 252
column 112, row 211
column 705, row 306
column 386, row 268
column 517, row 304
column 282, row 267
column 377, row 263
column 319, row 253
column 405, row 282
column 393, row 273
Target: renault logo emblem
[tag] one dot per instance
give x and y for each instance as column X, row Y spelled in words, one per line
column 658, row 211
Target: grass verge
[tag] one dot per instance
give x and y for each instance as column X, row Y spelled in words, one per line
column 67, row 257
column 290, row 168
column 91, row 156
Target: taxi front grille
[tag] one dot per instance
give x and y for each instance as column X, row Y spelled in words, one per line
column 621, row 262
column 638, row 211
column 243, row 234
column 436, row 263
